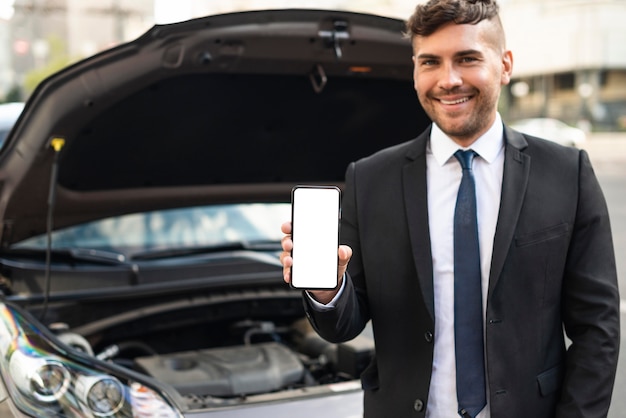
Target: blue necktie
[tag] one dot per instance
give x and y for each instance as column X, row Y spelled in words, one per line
column 468, row 311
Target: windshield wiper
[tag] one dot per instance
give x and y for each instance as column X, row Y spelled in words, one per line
column 261, row 245
column 72, row 254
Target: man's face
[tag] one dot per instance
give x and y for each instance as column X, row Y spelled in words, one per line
column 458, row 74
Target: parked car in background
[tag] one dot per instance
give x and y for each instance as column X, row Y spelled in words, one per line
column 9, row 112
column 139, row 270
column 551, row 129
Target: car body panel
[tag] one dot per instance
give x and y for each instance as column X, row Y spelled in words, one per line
column 346, row 405
column 552, row 130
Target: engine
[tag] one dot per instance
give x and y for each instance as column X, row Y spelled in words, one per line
column 270, row 359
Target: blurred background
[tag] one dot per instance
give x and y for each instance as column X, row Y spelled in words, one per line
column 570, row 55
column 569, row 67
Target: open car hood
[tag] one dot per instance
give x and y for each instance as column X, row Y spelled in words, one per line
column 228, row 108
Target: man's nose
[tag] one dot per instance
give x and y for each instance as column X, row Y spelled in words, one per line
column 450, row 77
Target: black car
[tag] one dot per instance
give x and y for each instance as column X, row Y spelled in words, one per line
column 141, row 196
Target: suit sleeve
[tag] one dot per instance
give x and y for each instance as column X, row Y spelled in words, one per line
column 590, row 305
column 350, row 314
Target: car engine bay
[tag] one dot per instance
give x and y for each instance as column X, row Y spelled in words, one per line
column 221, row 350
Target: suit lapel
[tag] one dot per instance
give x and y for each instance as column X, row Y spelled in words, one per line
column 514, row 182
column 415, row 198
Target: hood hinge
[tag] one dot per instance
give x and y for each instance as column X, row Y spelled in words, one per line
column 333, row 37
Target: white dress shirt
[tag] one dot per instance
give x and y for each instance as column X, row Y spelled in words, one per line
column 443, row 173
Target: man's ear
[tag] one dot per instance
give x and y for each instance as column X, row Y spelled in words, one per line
column 507, row 67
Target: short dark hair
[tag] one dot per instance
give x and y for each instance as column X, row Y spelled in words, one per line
column 429, row 17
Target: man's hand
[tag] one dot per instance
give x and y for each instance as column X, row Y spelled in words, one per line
column 343, row 256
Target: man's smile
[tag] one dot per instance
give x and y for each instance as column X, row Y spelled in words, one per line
column 454, row 101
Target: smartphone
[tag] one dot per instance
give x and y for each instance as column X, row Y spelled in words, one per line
column 315, row 217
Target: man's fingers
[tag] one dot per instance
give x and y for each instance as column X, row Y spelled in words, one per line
column 286, row 228
column 344, row 253
column 286, row 261
column 285, row 256
column 286, row 243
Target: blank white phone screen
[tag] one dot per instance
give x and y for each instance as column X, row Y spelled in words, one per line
column 315, row 235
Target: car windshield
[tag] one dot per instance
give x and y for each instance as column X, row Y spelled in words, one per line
column 3, row 134
column 190, row 227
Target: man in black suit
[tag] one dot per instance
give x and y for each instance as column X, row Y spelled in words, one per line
column 544, row 255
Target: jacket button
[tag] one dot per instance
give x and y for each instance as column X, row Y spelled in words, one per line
column 418, row 405
column 428, row 336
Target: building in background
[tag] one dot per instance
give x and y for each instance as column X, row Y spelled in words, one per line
column 45, row 35
column 6, row 58
column 167, row 11
column 38, row 29
column 94, row 25
column 570, row 55
column 569, row 61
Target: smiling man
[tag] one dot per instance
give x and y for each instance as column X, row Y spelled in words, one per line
column 471, row 248
column 458, row 83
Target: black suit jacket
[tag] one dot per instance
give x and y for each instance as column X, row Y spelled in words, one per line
column 552, row 268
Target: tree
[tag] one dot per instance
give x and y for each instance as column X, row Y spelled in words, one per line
column 57, row 60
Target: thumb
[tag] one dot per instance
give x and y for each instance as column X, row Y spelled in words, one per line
column 344, row 253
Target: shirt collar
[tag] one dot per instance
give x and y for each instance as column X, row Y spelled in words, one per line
column 488, row 146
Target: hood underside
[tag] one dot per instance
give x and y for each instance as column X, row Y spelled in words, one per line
column 229, row 108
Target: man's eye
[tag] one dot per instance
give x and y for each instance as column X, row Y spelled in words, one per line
column 468, row 59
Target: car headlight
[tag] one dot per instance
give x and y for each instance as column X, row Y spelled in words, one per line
column 44, row 379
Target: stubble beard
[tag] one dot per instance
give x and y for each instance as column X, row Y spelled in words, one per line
column 461, row 126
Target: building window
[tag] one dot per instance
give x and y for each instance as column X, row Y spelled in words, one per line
column 604, row 75
column 564, row 81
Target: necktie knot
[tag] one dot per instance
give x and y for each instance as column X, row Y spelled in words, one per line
column 465, row 158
